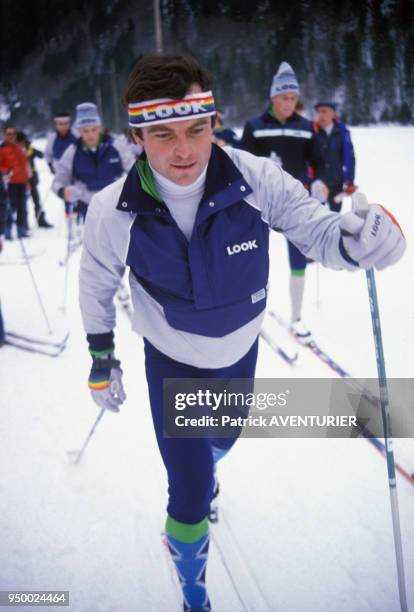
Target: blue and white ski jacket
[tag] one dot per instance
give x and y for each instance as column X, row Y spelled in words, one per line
column 56, row 145
column 89, row 170
column 209, row 292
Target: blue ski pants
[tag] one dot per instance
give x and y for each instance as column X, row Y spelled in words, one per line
column 188, row 461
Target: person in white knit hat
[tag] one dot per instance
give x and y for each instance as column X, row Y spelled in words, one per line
column 289, row 139
column 89, row 164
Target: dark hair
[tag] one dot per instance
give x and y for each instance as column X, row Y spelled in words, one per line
column 21, row 137
column 165, row 76
column 61, row 115
column 9, row 126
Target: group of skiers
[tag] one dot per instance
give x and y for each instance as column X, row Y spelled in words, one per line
column 83, row 161
column 18, row 178
column 86, row 163
column 191, row 221
column 320, row 154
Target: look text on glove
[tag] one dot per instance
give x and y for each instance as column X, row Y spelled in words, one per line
column 371, row 235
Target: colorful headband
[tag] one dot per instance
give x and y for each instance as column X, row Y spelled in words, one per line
column 166, row 110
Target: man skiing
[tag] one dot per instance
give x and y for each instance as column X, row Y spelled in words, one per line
column 282, row 134
column 14, row 167
column 32, row 153
column 199, row 301
column 334, row 139
column 59, row 140
column 89, row 164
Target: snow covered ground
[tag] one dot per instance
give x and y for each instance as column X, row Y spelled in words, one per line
column 311, row 517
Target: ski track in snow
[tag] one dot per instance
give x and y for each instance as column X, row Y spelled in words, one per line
column 312, row 517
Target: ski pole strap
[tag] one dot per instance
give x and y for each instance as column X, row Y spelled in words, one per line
column 105, row 364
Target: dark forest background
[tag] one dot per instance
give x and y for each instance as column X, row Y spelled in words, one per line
column 57, row 54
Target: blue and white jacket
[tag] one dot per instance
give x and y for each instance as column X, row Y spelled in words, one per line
column 56, row 145
column 90, row 171
column 199, row 301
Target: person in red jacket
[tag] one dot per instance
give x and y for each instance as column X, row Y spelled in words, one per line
column 14, row 166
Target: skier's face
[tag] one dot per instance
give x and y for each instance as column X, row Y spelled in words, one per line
column 284, row 105
column 325, row 116
column 62, row 126
column 10, row 135
column 178, row 150
column 90, row 135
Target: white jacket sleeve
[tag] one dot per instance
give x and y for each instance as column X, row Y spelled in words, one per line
column 64, row 176
column 64, row 170
column 105, row 245
column 125, row 151
column 84, row 194
column 287, row 207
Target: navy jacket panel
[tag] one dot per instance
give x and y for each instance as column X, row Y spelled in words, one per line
column 61, row 143
column 337, row 153
column 97, row 169
column 224, row 265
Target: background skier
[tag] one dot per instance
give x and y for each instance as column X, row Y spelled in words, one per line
column 282, row 134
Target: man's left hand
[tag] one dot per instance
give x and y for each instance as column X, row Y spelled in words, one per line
column 375, row 240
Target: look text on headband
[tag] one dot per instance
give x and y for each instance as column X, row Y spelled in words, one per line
column 165, row 110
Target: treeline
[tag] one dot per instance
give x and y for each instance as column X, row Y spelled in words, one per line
column 57, row 54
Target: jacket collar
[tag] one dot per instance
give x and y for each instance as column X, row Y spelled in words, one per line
column 225, row 186
column 269, row 117
column 337, row 127
column 103, row 142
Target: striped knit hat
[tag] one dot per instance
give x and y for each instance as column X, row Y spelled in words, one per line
column 284, row 81
column 86, row 115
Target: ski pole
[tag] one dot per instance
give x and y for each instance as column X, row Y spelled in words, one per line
column 65, row 289
column 26, row 258
column 79, row 454
column 360, row 205
column 47, row 194
column 385, row 412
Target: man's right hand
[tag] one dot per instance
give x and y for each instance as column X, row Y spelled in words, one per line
column 105, row 383
column 71, row 193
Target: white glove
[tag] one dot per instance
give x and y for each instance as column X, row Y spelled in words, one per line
column 105, row 383
column 72, row 193
column 371, row 235
column 319, row 191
